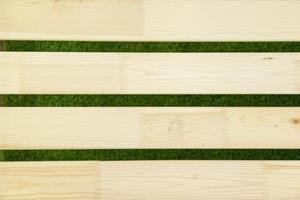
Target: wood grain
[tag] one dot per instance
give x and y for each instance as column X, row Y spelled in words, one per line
column 149, row 127
column 158, row 180
column 150, row 20
column 149, row 73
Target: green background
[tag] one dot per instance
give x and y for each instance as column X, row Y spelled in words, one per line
column 150, row 100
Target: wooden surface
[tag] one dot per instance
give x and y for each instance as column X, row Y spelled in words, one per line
column 149, row 127
column 149, row 73
column 150, row 20
column 157, row 180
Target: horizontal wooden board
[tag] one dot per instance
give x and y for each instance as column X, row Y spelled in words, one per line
column 149, row 127
column 149, row 73
column 157, row 180
column 150, row 20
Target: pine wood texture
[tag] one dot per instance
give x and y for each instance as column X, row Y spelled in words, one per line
column 158, row 180
column 150, row 20
column 149, row 127
column 149, row 73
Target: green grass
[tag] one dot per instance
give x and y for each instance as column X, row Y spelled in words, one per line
column 152, row 46
column 169, row 154
column 2, row 155
column 150, row 100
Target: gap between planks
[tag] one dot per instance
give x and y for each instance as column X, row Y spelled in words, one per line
column 149, row 73
column 158, row 180
column 1, row 97
column 1, row 46
column 150, row 128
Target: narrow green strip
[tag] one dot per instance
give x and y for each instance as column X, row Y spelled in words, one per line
column 2, row 45
column 2, row 101
column 150, row 100
column 2, row 156
column 60, row 155
column 152, row 46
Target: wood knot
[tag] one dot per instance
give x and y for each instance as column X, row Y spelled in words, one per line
column 268, row 58
column 295, row 121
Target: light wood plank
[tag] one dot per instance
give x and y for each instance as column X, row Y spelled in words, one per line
column 158, row 180
column 149, row 73
column 150, row 20
column 149, row 127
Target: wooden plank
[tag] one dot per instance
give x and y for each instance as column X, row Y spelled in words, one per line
column 149, row 73
column 149, row 127
column 150, row 20
column 159, row 180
